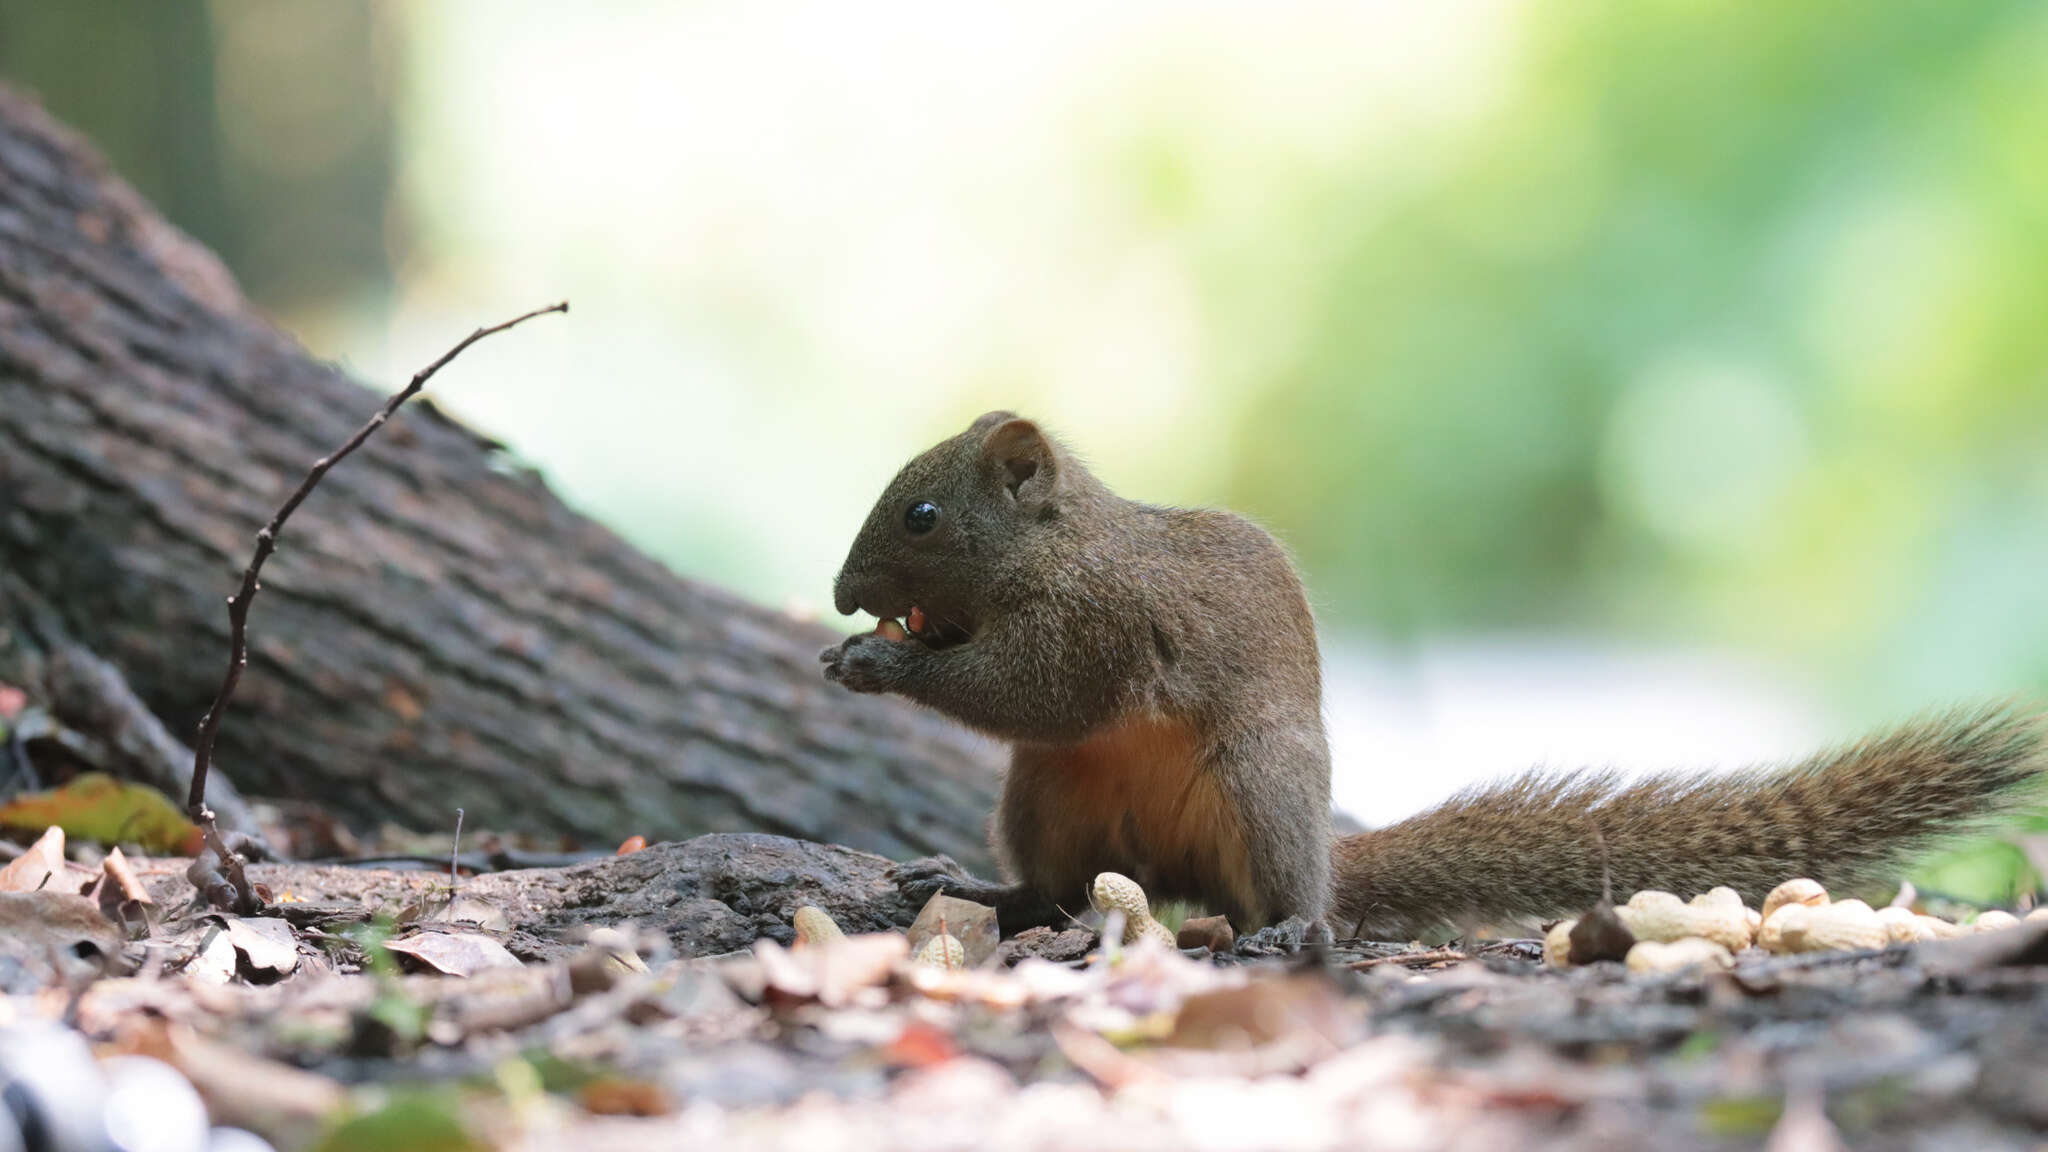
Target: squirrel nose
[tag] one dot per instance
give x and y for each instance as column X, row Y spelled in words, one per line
column 845, row 596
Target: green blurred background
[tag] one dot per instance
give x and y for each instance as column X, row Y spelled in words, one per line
column 1661, row 382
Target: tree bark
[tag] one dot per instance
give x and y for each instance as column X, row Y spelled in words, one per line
column 435, row 631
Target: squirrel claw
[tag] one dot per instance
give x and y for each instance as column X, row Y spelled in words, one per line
column 1285, row 938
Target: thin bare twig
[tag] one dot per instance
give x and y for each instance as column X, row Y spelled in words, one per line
column 454, row 854
column 1409, row 959
column 244, row 895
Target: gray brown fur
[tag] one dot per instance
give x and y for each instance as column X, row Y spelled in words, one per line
column 1156, row 672
column 1848, row 817
column 1154, row 668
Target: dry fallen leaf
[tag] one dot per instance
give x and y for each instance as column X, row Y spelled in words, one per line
column 463, row 910
column 1211, row 932
column 37, row 926
column 619, row 1096
column 39, row 869
column 243, row 1089
column 919, row 1045
column 265, row 942
column 213, row 954
column 832, row 972
column 973, row 925
column 122, row 898
column 454, row 953
column 1261, row 1013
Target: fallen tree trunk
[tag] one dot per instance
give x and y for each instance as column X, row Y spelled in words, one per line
column 435, row 631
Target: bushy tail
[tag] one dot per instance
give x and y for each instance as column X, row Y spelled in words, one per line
column 1526, row 849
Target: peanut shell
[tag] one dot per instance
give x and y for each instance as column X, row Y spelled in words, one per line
column 1994, row 921
column 1800, row 891
column 1847, row 925
column 814, row 926
column 1651, row 957
column 1557, row 944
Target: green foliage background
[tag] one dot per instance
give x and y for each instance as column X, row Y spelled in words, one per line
column 1671, row 322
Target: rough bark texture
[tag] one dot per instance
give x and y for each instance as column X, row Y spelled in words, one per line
column 435, row 631
column 708, row 895
column 87, row 696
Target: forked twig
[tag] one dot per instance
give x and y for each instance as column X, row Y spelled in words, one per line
column 222, row 879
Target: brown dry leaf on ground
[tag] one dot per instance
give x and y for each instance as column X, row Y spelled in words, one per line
column 267, row 946
column 474, row 913
column 606, row 1039
column 972, row 924
column 834, row 973
column 43, row 868
column 122, row 898
column 454, row 953
column 211, row 956
column 1306, row 1014
column 45, row 931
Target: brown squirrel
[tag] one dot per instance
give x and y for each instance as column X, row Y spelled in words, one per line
column 1156, row 672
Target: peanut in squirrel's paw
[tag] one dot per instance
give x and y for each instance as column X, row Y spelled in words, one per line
column 835, row 657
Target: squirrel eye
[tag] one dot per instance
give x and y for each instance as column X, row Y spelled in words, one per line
column 921, row 517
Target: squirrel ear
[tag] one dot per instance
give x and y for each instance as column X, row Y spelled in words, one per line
column 1022, row 458
column 988, row 420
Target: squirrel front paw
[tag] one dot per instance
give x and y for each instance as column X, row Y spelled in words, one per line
column 1289, row 936
column 868, row 662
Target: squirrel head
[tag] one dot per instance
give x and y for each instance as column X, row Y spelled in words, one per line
column 950, row 524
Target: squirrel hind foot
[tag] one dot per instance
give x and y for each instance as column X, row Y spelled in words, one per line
column 1017, row 907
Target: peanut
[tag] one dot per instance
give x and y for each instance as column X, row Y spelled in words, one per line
column 813, row 926
column 1114, row 890
column 1942, row 929
column 1902, row 926
column 1650, row 957
column 1800, row 891
column 1828, row 927
column 942, row 951
column 1659, row 917
column 1994, row 921
column 1557, row 944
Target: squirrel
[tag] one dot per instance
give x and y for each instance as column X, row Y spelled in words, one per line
column 1156, row 673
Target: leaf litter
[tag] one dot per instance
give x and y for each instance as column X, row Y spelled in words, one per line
column 446, row 1019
